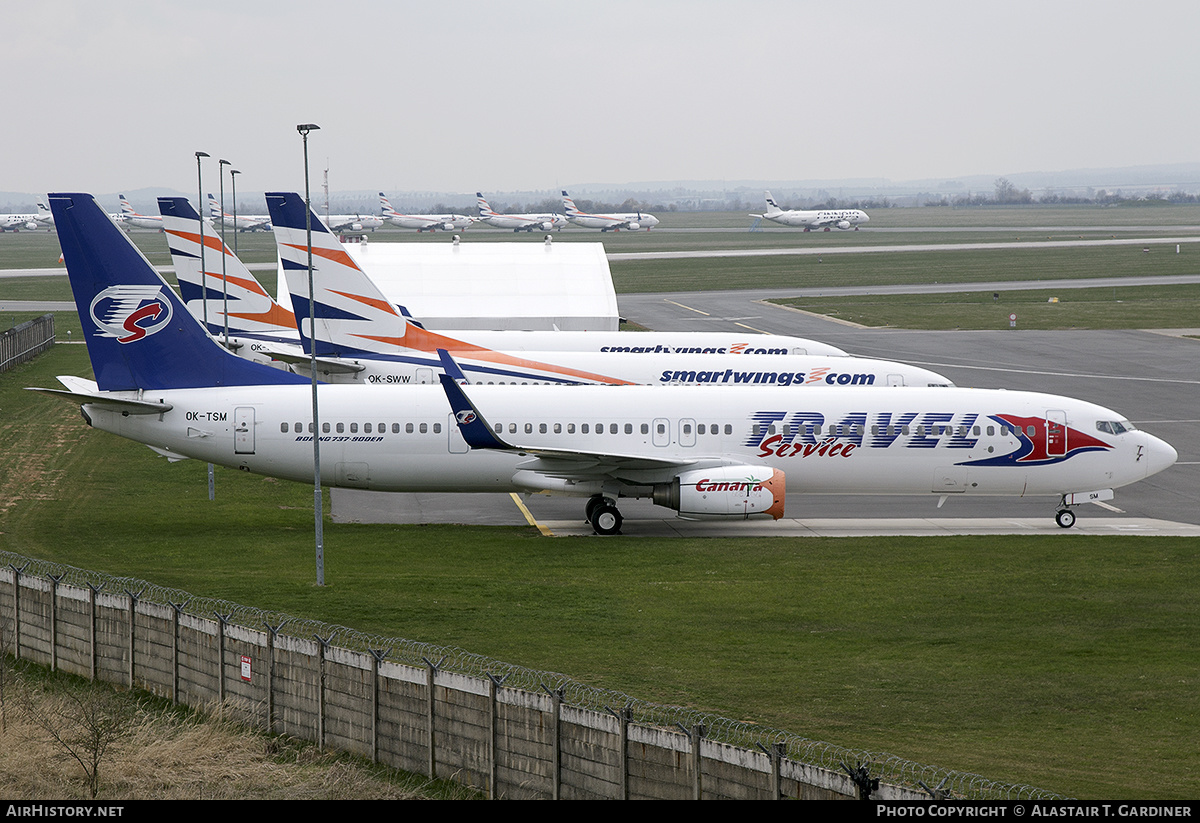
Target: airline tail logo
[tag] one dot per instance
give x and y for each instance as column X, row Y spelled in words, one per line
column 465, row 417
column 129, row 313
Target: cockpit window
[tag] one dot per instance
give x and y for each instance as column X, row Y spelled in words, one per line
column 1114, row 426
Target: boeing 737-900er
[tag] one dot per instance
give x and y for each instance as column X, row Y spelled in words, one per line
column 242, row 222
column 518, row 222
column 704, row 452
column 364, row 339
column 633, row 221
column 423, row 222
column 809, row 220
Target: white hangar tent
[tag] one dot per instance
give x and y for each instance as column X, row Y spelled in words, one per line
column 531, row 286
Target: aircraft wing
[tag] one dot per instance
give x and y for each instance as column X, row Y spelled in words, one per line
column 560, row 463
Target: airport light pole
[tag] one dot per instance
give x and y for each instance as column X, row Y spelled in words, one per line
column 221, row 164
column 212, row 480
column 233, row 173
column 304, row 129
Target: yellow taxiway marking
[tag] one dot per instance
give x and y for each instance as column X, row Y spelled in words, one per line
column 689, row 308
column 529, row 518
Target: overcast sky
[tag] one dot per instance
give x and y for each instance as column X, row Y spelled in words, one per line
column 502, row 96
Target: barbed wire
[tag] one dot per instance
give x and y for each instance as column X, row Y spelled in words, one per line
column 888, row 768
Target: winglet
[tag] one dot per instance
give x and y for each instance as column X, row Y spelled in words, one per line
column 475, row 430
column 451, row 368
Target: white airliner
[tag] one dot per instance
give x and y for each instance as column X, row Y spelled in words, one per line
column 633, row 221
column 16, row 222
column 809, row 220
column 423, row 222
column 357, row 323
column 132, row 218
column 243, row 222
column 256, row 318
column 704, row 452
column 519, row 222
column 350, row 223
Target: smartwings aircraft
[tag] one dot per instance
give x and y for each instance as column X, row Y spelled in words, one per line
column 632, row 221
column 356, row 322
column 421, row 222
column 704, row 452
column 258, row 325
column 241, row 222
column 518, row 222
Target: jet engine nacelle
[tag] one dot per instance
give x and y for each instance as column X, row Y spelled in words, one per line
column 634, row 226
column 547, row 226
column 843, row 224
column 739, row 492
column 356, row 226
column 447, row 227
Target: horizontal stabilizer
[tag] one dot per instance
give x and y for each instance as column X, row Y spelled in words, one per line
column 107, row 401
column 328, row 365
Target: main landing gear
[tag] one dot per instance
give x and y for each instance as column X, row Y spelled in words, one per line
column 602, row 513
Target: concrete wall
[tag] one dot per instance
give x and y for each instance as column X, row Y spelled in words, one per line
column 511, row 742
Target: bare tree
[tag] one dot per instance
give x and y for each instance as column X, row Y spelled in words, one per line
column 84, row 721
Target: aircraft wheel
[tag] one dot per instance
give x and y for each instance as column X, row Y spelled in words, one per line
column 589, row 508
column 1065, row 518
column 606, row 519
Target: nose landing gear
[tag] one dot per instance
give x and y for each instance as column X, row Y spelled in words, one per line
column 1065, row 518
column 602, row 513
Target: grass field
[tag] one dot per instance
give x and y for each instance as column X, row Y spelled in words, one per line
column 1063, row 662
column 1118, row 307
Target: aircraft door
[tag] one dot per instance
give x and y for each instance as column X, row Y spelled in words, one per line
column 1056, row 433
column 687, row 432
column 243, row 430
column 455, row 442
column 662, row 431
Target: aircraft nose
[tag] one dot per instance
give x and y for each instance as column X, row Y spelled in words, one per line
column 1159, row 455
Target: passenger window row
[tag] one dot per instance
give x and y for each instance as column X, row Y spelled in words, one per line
column 367, row 428
column 601, row 428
